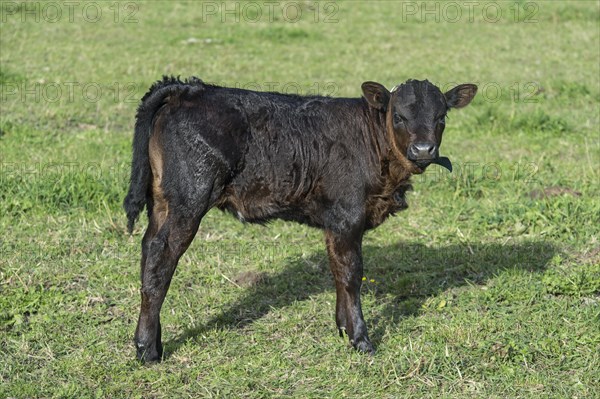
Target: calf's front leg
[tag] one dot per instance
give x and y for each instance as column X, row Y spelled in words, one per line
column 345, row 260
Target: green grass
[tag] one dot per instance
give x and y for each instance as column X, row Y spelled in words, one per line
column 484, row 288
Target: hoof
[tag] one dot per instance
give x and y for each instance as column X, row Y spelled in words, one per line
column 150, row 354
column 363, row 345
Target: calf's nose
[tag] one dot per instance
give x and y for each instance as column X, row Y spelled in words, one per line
column 422, row 151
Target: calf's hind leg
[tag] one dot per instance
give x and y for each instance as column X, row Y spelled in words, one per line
column 159, row 260
column 193, row 183
column 170, row 232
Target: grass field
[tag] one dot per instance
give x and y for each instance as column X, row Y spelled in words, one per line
column 488, row 286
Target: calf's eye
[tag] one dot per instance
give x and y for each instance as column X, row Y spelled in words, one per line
column 398, row 119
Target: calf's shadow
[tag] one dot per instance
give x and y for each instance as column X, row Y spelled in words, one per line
column 411, row 272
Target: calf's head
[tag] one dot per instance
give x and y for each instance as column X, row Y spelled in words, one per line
column 416, row 116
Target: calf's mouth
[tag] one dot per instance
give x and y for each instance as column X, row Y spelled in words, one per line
column 442, row 161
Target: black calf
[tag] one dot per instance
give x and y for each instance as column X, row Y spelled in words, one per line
column 339, row 164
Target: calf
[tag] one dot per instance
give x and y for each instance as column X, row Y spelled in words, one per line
column 339, row 164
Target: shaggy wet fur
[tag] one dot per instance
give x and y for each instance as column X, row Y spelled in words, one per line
column 339, row 164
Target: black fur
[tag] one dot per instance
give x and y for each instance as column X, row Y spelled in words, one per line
column 339, row 164
column 151, row 103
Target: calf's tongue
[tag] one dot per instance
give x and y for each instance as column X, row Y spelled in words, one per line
column 444, row 162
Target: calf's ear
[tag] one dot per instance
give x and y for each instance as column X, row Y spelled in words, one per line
column 461, row 95
column 376, row 95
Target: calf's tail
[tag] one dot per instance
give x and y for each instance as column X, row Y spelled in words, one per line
column 141, row 174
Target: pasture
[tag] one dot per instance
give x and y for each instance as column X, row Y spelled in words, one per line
column 488, row 286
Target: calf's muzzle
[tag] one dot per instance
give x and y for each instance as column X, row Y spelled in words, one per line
column 422, row 152
column 425, row 153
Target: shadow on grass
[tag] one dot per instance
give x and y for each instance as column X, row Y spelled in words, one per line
column 411, row 271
